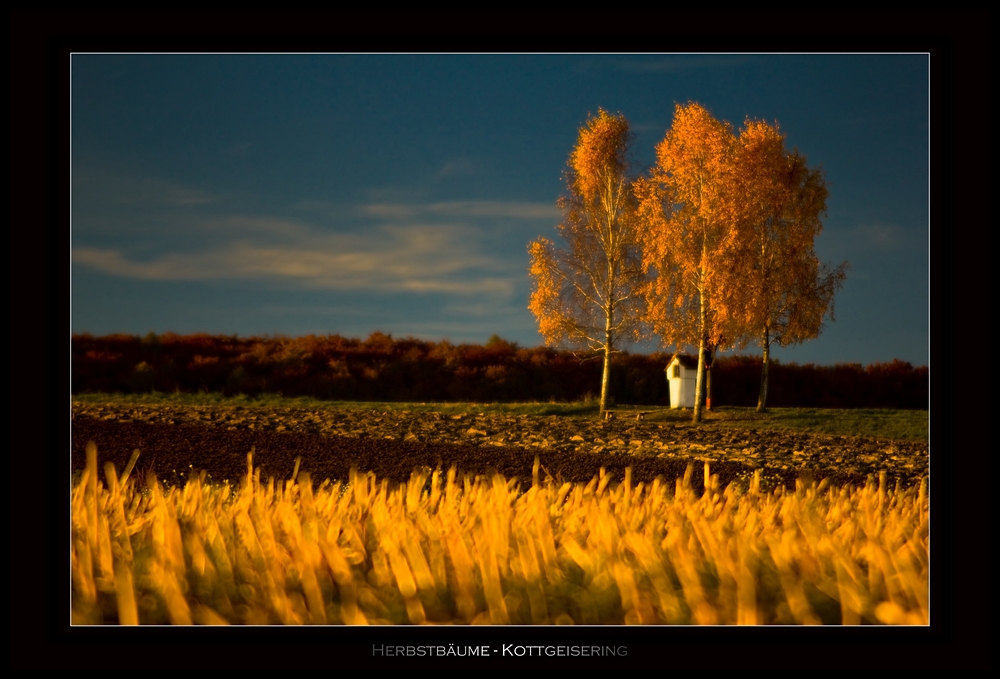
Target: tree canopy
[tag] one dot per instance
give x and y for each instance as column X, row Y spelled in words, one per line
column 588, row 294
column 687, row 209
column 714, row 248
column 785, row 292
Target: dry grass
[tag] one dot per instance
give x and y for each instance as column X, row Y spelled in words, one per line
column 485, row 551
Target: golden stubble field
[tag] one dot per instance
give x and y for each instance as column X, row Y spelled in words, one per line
column 475, row 547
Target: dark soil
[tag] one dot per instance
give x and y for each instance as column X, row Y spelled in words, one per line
column 173, row 452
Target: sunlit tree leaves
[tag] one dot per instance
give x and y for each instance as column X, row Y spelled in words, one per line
column 786, row 292
column 587, row 295
column 730, row 225
column 686, row 208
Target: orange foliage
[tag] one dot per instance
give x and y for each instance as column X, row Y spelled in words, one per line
column 587, row 296
column 786, row 292
column 687, row 207
column 731, row 226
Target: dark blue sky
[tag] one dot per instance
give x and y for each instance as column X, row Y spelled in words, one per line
column 294, row 194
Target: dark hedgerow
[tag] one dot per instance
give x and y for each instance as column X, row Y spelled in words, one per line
column 386, row 369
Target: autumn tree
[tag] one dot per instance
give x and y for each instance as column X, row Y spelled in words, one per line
column 686, row 206
column 785, row 291
column 588, row 295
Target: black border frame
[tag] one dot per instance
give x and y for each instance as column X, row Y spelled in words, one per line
column 960, row 44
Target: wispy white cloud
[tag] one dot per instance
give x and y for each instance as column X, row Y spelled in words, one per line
column 125, row 189
column 391, row 211
column 881, row 235
column 417, row 258
column 392, row 243
column 473, row 330
column 463, row 209
column 180, row 195
column 865, row 239
column 870, row 237
column 271, row 229
column 457, row 167
column 510, row 209
column 405, row 210
column 484, row 310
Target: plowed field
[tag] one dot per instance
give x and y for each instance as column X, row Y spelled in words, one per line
column 176, row 441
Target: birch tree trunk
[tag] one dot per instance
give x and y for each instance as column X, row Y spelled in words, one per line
column 762, row 398
column 699, row 385
column 606, row 377
column 600, row 272
column 605, row 380
column 708, row 383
